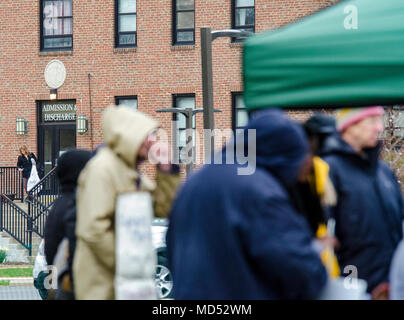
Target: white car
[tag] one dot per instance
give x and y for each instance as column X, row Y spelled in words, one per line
column 164, row 281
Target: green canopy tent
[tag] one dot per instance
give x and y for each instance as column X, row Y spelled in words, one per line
column 318, row 62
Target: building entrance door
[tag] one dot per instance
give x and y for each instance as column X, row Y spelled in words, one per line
column 56, row 140
column 56, row 131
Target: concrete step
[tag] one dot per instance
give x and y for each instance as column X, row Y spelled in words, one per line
column 16, row 252
column 20, row 258
column 6, row 240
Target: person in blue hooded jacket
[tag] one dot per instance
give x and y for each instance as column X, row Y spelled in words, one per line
column 369, row 209
column 235, row 236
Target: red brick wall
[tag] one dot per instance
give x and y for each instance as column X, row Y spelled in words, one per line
column 153, row 71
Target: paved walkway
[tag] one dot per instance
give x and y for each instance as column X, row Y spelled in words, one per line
column 19, row 292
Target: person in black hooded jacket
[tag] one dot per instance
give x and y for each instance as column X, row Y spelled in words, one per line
column 369, row 210
column 234, row 235
column 61, row 222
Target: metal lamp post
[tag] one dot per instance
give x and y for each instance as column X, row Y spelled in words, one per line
column 207, row 36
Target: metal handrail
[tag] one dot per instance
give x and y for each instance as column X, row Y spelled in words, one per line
column 11, row 182
column 42, row 181
column 40, row 200
column 16, row 222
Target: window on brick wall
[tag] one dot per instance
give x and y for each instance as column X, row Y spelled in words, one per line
column 243, row 15
column 239, row 112
column 56, row 25
column 183, row 22
column 129, row 101
column 125, row 23
column 183, row 101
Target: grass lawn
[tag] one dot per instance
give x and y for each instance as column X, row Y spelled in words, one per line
column 15, row 272
column 4, row 283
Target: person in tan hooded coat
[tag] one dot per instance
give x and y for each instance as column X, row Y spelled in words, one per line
column 113, row 171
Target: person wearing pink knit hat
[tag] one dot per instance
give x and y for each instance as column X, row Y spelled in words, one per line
column 360, row 127
column 370, row 208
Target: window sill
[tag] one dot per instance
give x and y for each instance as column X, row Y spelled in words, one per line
column 182, row 47
column 55, row 53
column 124, row 50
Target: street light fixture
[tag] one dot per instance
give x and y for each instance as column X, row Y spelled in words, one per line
column 21, row 126
column 207, row 36
column 82, row 124
column 53, row 95
column 188, row 113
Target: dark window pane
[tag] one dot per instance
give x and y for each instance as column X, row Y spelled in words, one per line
column 181, row 121
column 131, row 103
column 127, row 23
column 127, row 39
column 241, row 118
column 244, row 3
column 58, row 42
column 185, row 4
column 68, row 11
column 245, row 17
column 67, row 26
column 58, row 26
column 239, row 101
column 182, row 137
column 185, row 20
column 127, row 6
column 49, row 10
column 183, row 103
column 53, row 9
column 49, row 26
column 185, row 36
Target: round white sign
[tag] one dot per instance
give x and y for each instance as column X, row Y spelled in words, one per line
column 55, row 74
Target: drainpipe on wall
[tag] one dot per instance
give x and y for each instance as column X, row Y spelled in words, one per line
column 91, row 111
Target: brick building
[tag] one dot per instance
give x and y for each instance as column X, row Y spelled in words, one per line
column 145, row 53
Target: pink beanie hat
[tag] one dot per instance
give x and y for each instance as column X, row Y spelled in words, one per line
column 349, row 116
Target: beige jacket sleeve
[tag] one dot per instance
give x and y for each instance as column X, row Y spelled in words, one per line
column 95, row 219
column 167, row 185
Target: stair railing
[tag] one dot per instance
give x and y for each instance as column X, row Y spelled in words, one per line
column 40, row 200
column 16, row 222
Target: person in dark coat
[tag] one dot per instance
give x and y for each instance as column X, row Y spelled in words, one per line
column 24, row 164
column 236, row 236
column 369, row 210
column 305, row 195
column 61, row 222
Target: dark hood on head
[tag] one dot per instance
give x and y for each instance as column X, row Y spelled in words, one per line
column 281, row 144
column 335, row 144
column 69, row 167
